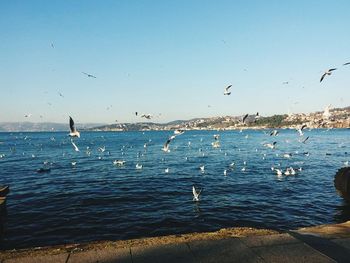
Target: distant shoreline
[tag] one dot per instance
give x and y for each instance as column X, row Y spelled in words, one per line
column 329, row 119
column 218, row 130
column 234, row 129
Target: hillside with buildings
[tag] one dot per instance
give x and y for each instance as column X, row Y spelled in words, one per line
column 330, row 118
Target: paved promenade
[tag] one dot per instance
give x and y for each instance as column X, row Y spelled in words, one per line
column 328, row 243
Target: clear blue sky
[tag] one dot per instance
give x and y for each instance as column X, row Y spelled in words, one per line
column 170, row 57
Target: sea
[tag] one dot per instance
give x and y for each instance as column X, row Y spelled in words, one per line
column 82, row 196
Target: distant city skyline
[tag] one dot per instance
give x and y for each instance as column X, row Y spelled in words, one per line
column 171, row 59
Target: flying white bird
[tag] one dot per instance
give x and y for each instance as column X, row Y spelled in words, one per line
column 138, row 166
column 226, row 92
column 274, row 133
column 196, row 194
column 73, row 130
column 27, row 115
column 74, row 145
column 202, row 168
column 300, row 130
column 166, row 145
column 328, row 72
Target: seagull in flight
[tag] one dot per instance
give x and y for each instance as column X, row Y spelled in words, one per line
column 274, row 133
column 147, row 116
column 226, row 92
column 300, row 130
column 27, row 115
column 74, row 145
column 73, row 130
column 196, row 194
column 304, row 141
column 347, row 63
column 89, row 75
column 166, row 145
column 59, row 93
column 245, row 117
column 328, row 72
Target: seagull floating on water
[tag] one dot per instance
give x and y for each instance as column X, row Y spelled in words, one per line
column 278, row 171
column 287, row 155
column 119, row 162
column 270, row 145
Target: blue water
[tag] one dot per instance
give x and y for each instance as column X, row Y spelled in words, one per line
column 96, row 200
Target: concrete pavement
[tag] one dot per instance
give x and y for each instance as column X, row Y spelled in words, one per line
column 305, row 245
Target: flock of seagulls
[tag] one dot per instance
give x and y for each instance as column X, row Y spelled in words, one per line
column 216, row 143
column 74, row 133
